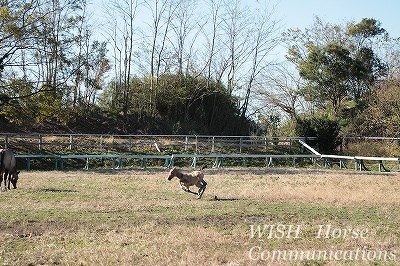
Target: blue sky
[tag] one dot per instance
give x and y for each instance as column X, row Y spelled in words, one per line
column 300, row 13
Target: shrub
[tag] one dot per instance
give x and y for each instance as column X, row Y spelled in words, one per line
column 325, row 129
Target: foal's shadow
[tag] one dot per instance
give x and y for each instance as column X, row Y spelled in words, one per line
column 57, row 190
column 216, row 198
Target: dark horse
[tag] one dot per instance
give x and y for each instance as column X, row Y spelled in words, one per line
column 8, row 167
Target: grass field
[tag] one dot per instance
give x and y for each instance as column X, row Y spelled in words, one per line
column 137, row 217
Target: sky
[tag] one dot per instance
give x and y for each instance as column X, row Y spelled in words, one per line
column 300, row 13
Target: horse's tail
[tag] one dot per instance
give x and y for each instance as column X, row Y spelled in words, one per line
column 203, row 167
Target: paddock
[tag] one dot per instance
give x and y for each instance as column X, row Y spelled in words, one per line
column 137, row 217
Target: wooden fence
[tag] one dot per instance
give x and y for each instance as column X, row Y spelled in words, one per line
column 154, row 143
column 169, row 148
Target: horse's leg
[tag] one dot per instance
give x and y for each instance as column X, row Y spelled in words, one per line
column 202, row 188
column 1, row 181
column 7, row 178
column 186, row 189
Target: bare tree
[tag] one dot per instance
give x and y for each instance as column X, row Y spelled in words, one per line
column 214, row 15
column 264, row 32
column 184, row 26
column 281, row 90
column 236, row 31
column 162, row 13
column 389, row 49
column 249, row 37
column 123, row 35
column 82, row 39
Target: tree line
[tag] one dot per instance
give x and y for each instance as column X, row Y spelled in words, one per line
column 344, row 73
column 192, row 66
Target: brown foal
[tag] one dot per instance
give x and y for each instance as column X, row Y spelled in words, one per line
column 195, row 178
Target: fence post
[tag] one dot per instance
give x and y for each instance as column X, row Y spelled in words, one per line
column 70, row 142
column 213, row 144
column 6, row 142
column 40, row 142
column 28, row 164
column 186, row 142
column 265, row 143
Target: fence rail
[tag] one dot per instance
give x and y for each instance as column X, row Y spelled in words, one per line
column 118, row 160
column 169, row 148
column 157, row 143
column 359, row 161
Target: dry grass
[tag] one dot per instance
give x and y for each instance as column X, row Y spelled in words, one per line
column 377, row 148
column 140, row 218
column 344, row 187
